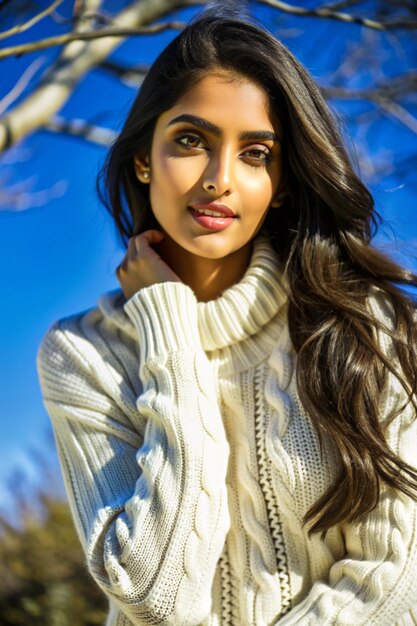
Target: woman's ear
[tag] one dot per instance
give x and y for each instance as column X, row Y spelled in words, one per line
column 142, row 168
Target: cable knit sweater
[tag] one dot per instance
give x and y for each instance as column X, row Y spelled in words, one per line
column 189, row 464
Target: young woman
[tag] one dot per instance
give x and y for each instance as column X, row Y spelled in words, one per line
column 236, row 424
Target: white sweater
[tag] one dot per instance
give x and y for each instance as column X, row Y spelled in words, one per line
column 189, row 464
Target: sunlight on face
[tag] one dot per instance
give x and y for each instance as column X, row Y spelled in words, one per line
column 216, row 146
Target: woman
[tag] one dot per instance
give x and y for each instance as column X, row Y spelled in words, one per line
column 236, row 425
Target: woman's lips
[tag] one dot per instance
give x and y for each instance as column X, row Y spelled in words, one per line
column 212, row 216
column 215, row 207
column 210, row 222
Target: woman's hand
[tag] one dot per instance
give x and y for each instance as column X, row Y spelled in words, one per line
column 142, row 266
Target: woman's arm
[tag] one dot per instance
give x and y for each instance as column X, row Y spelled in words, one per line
column 146, row 486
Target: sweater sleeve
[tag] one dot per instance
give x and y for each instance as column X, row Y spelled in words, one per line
column 375, row 583
column 146, row 486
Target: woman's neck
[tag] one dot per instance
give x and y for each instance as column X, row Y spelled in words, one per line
column 208, row 278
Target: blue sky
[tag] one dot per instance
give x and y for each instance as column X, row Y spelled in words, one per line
column 58, row 258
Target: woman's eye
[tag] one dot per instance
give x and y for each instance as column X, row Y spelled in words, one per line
column 190, row 141
column 258, row 154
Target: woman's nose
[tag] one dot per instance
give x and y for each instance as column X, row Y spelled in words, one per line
column 218, row 175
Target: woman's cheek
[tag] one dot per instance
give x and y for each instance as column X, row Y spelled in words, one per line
column 258, row 194
column 182, row 174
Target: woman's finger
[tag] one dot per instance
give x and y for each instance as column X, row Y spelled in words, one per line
column 131, row 252
column 147, row 239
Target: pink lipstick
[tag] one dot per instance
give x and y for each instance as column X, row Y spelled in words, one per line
column 212, row 216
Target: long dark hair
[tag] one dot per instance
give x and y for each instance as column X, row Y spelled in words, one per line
column 322, row 234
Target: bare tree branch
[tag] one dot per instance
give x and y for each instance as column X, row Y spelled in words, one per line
column 100, row 18
column 400, row 113
column 20, row 28
column 21, row 85
column 17, row 154
column 59, row 40
column 383, row 97
column 21, row 197
column 356, row 57
column 82, row 129
column 326, row 13
column 394, row 88
column 342, row 4
column 131, row 76
column 77, row 58
column 85, row 10
column 85, row 13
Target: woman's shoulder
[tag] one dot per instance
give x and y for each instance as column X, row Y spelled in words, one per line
column 101, row 333
column 88, row 364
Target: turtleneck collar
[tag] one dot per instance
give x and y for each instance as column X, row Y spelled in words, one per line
column 243, row 309
column 238, row 314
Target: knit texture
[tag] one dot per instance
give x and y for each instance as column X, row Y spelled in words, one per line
column 189, row 464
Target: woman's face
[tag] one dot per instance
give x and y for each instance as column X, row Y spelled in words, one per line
column 215, row 166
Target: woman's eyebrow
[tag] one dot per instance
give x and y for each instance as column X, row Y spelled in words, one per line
column 250, row 135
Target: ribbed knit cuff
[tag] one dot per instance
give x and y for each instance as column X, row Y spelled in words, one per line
column 165, row 316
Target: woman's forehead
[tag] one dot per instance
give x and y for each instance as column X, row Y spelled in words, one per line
column 227, row 101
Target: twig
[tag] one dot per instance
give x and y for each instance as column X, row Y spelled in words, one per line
column 342, row 4
column 382, row 98
column 85, row 14
column 59, row 40
column 120, row 70
column 325, row 13
column 98, row 17
column 80, row 128
column 21, row 85
column 20, row 197
column 20, row 28
column 398, row 86
column 131, row 76
column 402, row 115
